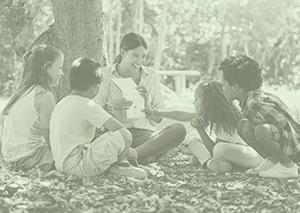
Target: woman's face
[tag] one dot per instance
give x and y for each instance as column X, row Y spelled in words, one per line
column 55, row 71
column 134, row 59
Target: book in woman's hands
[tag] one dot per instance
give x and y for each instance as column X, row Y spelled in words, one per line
column 127, row 89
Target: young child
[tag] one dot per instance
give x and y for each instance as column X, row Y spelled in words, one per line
column 73, row 125
column 268, row 125
column 213, row 111
column 27, row 114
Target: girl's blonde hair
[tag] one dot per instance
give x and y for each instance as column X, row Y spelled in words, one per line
column 36, row 62
column 217, row 112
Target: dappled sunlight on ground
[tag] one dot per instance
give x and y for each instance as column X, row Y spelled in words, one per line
column 173, row 185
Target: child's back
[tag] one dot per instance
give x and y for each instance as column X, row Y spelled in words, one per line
column 23, row 125
column 73, row 124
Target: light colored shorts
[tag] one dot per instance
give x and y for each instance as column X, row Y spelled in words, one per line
column 95, row 158
column 42, row 158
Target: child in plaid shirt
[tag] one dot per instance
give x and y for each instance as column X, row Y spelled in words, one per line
column 268, row 125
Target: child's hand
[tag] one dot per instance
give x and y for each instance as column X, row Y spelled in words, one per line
column 197, row 123
column 150, row 112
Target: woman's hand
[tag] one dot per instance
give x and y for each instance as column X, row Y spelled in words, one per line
column 109, row 108
column 144, row 93
column 121, row 104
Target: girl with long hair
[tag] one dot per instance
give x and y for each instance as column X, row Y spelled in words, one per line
column 25, row 142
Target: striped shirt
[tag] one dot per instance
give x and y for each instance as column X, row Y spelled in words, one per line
column 262, row 107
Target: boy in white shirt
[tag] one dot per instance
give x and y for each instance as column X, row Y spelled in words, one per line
column 73, row 125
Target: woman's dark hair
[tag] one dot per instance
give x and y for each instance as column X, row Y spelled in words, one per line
column 36, row 62
column 84, row 74
column 218, row 113
column 242, row 70
column 130, row 41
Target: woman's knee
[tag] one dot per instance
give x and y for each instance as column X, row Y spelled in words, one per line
column 178, row 131
column 263, row 132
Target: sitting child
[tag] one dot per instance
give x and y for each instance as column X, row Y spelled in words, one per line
column 213, row 111
column 27, row 114
column 73, row 125
column 268, row 125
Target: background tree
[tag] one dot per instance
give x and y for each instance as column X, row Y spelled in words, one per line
column 78, row 32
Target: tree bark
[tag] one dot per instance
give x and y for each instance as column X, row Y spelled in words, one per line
column 138, row 25
column 111, row 33
column 78, row 31
column 118, row 34
column 161, row 36
column 222, row 15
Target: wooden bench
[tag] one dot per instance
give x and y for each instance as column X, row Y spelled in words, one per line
column 180, row 77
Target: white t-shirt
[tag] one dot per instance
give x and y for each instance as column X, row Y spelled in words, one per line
column 73, row 124
column 224, row 136
column 24, row 123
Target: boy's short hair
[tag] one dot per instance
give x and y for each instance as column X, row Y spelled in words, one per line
column 84, row 74
column 242, row 70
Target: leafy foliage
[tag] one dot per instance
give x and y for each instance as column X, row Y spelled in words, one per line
column 199, row 33
column 16, row 36
column 13, row 19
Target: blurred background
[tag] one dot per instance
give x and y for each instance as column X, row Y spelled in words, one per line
column 182, row 35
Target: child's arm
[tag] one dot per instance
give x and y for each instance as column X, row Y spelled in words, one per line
column 176, row 115
column 44, row 104
column 46, row 134
column 199, row 126
column 113, row 125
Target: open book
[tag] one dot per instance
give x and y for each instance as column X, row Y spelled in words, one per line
column 127, row 88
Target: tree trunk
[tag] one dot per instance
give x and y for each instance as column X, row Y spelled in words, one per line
column 118, row 34
column 141, row 17
column 161, row 36
column 138, row 16
column 222, row 15
column 111, row 33
column 78, row 31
